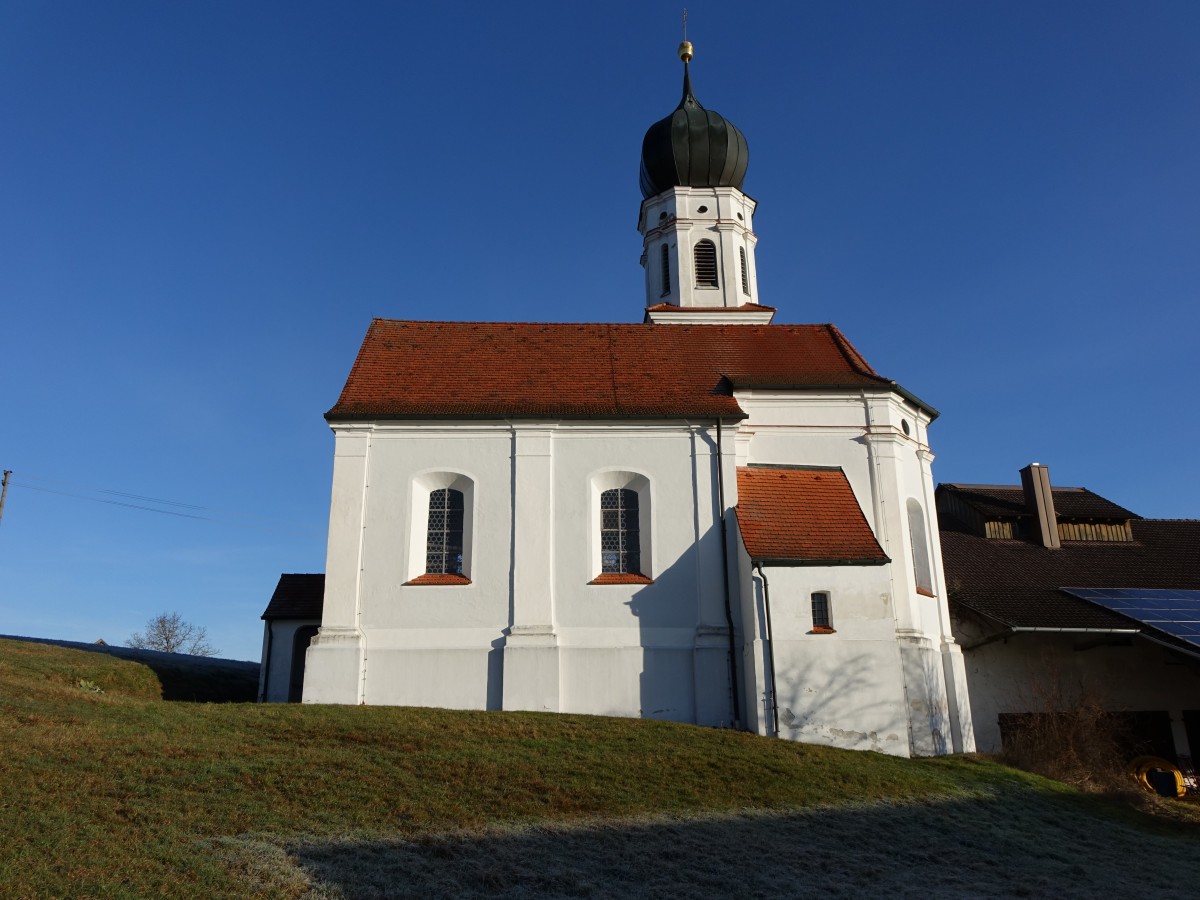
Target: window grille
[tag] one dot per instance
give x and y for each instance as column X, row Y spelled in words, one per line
column 820, row 610
column 444, row 548
column 620, row 541
column 705, row 255
column 666, row 270
column 745, row 275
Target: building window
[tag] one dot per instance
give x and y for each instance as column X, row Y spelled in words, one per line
column 444, row 546
column 620, row 532
column 705, row 256
column 745, row 274
column 822, row 615
column 441, row 530
column 621, row 528
column 666, row 270
column 922, row 571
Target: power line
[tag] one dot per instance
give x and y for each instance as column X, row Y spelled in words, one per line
column 165, row 512
column 219, row 517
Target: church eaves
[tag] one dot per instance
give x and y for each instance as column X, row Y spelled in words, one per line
column 420, row 370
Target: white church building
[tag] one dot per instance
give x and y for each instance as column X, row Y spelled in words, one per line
column 704, row 517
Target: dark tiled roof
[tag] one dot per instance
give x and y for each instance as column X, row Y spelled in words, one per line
column 517, row 369
column 808, row 515
column 1000, row 501
column 1017, row 582
column 297, row 597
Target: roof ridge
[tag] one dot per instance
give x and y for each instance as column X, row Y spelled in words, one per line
column 848, row 350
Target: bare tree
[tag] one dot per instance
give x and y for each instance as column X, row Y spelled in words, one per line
column 168, row 633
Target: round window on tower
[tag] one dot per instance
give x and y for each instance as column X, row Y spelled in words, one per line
column 904, row 425
column 702, row 209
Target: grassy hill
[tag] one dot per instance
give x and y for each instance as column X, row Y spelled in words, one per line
column 109, row 790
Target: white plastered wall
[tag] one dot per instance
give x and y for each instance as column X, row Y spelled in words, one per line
column 529, row 631
column 278, row 644
column 1029, row 672
column 886, row 466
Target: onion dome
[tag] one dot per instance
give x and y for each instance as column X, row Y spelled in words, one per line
column 692, row 147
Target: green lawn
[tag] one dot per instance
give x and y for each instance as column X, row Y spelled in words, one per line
column 115, row 792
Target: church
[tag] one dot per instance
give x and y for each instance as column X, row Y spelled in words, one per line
column 704, row 517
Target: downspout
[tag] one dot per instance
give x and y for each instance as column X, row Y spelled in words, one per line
column 733, row 679
column 770, row 645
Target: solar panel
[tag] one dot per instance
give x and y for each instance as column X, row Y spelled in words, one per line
column 1172, row 612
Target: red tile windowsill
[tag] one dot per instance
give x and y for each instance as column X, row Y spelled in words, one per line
column 619, row 578
column 437, row 580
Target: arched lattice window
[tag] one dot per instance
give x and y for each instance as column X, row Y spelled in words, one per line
column 666, row 270
column 745, row 274
column 444, row 546
column 920, row 548
column 705, row 256
column 620, row 537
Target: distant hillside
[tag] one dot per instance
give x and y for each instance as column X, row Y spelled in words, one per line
column 107, row 790
column 200, row 679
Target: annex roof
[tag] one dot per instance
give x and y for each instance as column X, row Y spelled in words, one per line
column 803, row 516
column 410, row 369
column 1002, row 501
column 297, row 596
column 1019, row 583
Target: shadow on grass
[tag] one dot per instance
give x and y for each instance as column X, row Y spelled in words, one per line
column 196, row 679
column 1025, row 845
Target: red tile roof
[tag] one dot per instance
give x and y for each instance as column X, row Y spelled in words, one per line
column 803, row 515
column 519, row 369
column 438, row 579
column 745, row 307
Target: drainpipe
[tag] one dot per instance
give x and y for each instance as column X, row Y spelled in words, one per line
column 733, row 679
column 770, row 644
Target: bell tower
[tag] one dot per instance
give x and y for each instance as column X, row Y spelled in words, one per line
column 696, row 224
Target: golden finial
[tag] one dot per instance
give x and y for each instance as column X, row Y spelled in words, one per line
column 685, row 49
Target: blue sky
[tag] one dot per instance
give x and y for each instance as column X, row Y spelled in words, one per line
column 202, row 205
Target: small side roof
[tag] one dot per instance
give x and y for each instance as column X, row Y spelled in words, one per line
column 803, row 516
column 297, row 596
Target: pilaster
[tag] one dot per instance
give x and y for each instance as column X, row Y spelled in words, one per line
column 336, row 658
column 531, row 660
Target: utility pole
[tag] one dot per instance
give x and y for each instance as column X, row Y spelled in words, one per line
column 4, row 491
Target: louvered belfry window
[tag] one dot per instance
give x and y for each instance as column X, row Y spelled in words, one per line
column 705, row 255
column 444, row 549
column 745, row 274
column 666, row 270
column 620, row 541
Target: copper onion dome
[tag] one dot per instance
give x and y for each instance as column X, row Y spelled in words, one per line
column 692, row 147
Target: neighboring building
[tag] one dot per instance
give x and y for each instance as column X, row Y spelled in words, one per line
column 291, row 620
column 1058, row 594
column 705, row 517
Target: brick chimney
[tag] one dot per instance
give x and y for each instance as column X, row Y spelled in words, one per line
column 1039, row 500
